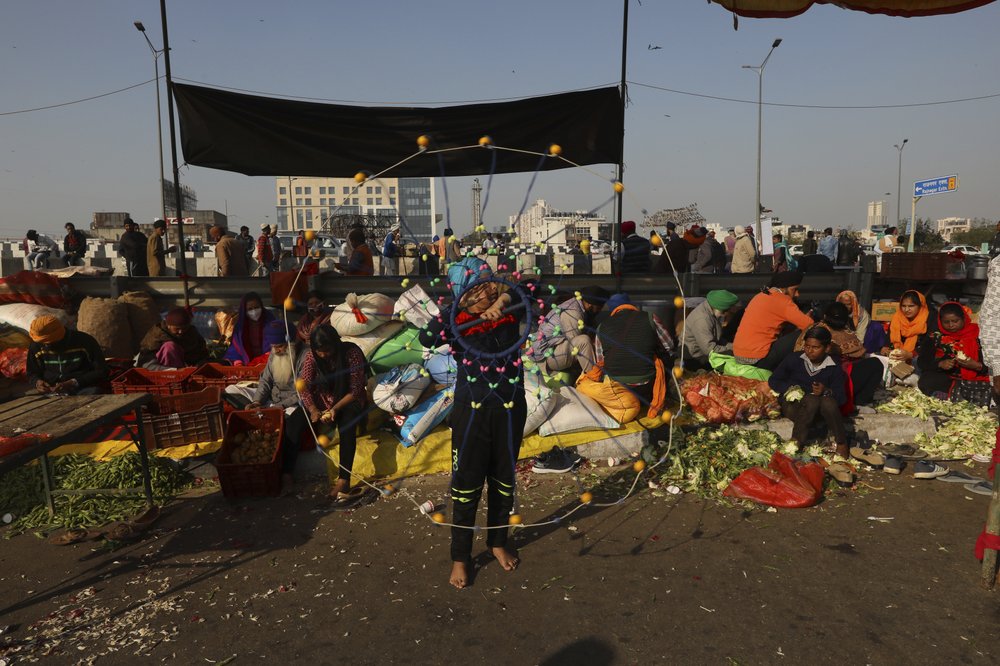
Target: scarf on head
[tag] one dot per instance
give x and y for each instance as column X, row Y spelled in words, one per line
column 659, row 397
column 859, row 315
column 965, row 340
column 903, row 332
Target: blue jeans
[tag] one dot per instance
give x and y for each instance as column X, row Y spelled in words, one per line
column 38, row 259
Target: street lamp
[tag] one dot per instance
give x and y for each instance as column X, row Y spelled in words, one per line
column 899, row 183
column 159, row 131
column 760, row 105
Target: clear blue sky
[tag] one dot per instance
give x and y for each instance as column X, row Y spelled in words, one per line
column 820, row 166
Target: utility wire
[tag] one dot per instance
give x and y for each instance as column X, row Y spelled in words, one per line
column 816, row 106
column 76, row 101
column 843, row 107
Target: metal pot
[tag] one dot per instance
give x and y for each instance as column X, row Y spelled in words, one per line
column 977, row 266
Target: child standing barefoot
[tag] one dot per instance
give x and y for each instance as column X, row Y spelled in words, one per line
column 487, row 421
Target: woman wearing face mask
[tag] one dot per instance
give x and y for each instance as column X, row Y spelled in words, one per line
column 316, row 315
column 247, row 345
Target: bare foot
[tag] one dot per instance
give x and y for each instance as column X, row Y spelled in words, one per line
column 341, row 486
column 459, row 575
column 508, row 559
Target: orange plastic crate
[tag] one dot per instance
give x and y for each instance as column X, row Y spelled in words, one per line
column 157, row 382
column 250, row 480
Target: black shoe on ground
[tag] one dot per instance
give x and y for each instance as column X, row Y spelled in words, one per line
column 555, row 461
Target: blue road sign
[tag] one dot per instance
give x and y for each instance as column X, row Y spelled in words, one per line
column 923, row 188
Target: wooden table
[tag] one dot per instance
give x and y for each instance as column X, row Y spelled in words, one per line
column 70, row 420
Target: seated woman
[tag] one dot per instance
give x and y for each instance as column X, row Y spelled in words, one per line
column 952, row 354
column 865, row 372
column 335, row 375
column 911, row 324
column 317, row 314
column 811, row 384
column 173, row 343
column 760, row 339
column 247, row 346
column 871, row 334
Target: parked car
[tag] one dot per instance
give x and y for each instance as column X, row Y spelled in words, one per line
column 964, row 249
column 795, row 250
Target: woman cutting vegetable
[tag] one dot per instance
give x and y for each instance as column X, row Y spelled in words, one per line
column 335, row 375
column 951, row 355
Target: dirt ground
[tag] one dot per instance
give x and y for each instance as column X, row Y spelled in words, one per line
column 655, row 579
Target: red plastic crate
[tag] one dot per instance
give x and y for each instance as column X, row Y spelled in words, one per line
column 251, row 480
column 216, row 374
column 157, row 382
column 186, row 418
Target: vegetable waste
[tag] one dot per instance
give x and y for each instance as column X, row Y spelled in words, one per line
column 963, row 429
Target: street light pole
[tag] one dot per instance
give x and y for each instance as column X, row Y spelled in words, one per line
column 899, row 184
column 760, row 130
column 159, row 128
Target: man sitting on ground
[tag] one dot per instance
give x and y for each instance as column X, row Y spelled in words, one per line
column 703, row 329
column 62, row 361
column 761, row 339
column 561, row 339
column 631, row 346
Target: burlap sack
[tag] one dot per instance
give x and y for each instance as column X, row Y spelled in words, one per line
column 142, row 316
column 106, row 320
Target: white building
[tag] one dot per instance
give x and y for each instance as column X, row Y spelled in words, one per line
column 542, row 224
column 949, row 226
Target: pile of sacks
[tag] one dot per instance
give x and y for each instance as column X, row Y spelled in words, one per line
column 416, row 384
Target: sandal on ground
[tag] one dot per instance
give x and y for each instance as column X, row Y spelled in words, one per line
column 841, row 473
column 122, row 532
column 351, row 499
column 868, row 456
column 70, row 536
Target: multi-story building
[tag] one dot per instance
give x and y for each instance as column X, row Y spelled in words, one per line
column 542, row 224
column 306, row 202
column 949, row 226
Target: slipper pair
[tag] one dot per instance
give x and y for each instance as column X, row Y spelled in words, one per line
column 842, row 473
column 867, row 456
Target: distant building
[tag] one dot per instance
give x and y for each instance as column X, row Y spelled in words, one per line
column 306, row 202
column 108, row 226
column 542, row 224
column 950, row 226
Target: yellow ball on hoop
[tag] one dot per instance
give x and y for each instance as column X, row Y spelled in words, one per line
column 485, row 141
column 323, row 441
column 678, row 302
column 310, row 236
column 515, row 519
column 619, row 188
column 639, row 465
column 555, row 149
column 438, row 518
column 289, row 303
column 300, row 385
column 678, row 372
column 586, row 498
column 360, row 177
column 666, row 416
column 656, row 241
column 389, row 489
column 423, row 141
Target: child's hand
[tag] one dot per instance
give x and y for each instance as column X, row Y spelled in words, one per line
column 495, row 311
column 818, row 388
column 947, row 364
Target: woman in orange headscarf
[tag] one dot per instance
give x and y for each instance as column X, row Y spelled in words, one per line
column 909, row 326
column 871, row 334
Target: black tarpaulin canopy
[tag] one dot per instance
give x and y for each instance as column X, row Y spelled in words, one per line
column 262, row 136
column 909, row 8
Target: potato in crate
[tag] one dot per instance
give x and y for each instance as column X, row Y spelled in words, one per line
column 249, row 463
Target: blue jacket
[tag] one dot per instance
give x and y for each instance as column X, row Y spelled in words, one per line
column 792, row 372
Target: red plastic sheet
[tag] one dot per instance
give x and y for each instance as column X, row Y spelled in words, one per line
column 785, row 483
column 14, row 362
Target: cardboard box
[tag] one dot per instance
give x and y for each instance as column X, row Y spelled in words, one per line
column 884, row 310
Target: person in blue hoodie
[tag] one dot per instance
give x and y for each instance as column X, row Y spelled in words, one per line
column 487, row 420
column 247, row 344
column 811, row 385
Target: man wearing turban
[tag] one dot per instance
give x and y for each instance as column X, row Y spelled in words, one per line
column 63, row 361
column 761, row 338
column 703, row 329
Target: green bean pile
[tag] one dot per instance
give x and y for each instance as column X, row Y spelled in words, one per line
column 22, row 491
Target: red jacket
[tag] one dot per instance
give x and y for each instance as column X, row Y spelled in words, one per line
column 264, row 254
